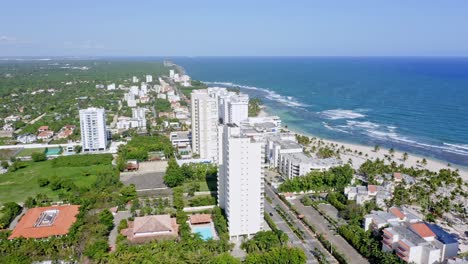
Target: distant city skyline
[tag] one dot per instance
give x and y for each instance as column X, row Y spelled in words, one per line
column 240, row 28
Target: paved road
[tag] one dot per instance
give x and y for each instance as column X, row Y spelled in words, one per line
column 113, row 234
column 17, row 218
column 322, row 226
column 310, row 244
column 295, row 241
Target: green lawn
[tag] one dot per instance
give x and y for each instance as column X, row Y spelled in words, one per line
column 17, row 186
column 28, row 151
column 205, row 186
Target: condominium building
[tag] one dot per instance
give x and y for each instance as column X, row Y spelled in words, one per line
column 138, row 114
column 149, row 78
column 299, row 164
column 204, row 125
column 238, row 108
column 93, row 129
column 241, row 182
column 232, row 107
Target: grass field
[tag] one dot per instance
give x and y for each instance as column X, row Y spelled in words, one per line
column 205, row 186
column 17, row 186
column 28, row 151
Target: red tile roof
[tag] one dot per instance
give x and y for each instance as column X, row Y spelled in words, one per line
column 372, row 188
column 397, row 176
column 396, row 212
column 28, row 225
column 43, row 128
column 200, row 219
column 45, row 134
column 422, row 230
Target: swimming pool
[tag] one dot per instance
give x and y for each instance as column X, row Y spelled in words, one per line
column 53, row 151
column 205, row 232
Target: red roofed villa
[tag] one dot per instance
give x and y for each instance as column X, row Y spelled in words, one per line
column 43, row 128
column 151, row 227
column 43, row 222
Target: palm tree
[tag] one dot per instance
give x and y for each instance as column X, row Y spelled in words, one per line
column 424, row 162
column 405, row 156
column 376, row 148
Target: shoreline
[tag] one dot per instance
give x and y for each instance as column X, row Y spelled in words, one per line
column 432, row 163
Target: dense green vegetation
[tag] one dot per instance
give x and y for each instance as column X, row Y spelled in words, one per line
column 138, row 148
column 334, row 179
column 264, row 241
column 24, row 177
column 195, row 85
column 162, row 105
column 191, row 175
column 255, row 106
column 87, row 239
column 8, row 213
column 81, row 160
column 367, row 245
column 278, row 255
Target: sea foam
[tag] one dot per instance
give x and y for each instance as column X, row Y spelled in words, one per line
column 335, row 114
column 271, row 95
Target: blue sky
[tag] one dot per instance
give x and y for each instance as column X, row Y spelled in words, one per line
column 234, row 28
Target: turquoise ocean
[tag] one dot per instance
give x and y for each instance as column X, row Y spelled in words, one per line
column 418, row 105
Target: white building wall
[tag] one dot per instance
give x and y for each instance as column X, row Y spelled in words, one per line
column 238, row 108
column 241, row 183
column 204, row 125
column 149, row 78
column 93, row 129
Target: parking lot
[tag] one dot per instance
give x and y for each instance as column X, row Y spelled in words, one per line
column 148, row 177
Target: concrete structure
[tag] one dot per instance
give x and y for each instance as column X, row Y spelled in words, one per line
column 138, row 115
column 412, row 240
column 180, row 138
column 362, row 194
column 93, row 129
column 276, row 145
column 149, row 78
column 27, row 138
column 204, row 125
column 134, row 79
column 299, row 164
column 241, row 182
column 111, row 86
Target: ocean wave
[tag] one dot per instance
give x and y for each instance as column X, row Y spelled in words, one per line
column 271, row 95
column 326, row 125
column 335, row 114
column 364, row 124
column 459, row 149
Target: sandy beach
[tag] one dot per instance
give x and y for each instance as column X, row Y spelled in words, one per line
column 412, row 160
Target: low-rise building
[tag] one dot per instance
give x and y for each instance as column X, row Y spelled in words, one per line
column 151, row 227
column 298, row 164
column 42, row 129
column 45, row 135
column 27, row 138
column 44, row 222
column 362, row 194
column 180, row 138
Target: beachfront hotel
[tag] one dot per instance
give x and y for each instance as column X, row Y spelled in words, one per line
column 204, row 125
column 241, row 182
column 93, row 129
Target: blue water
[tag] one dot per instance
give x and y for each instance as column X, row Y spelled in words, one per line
column 418, row 105
column 204, row 231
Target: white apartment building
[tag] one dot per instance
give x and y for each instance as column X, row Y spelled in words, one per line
column 135, row 90
column 279, row 144
column 111, row 86
column 93, row 129
column 238, row 108
column 135, row 79
column 171, row 73
column 298, row 164
column 204, row 125
column 149, row 78
column 241, row 182
column 138, row 114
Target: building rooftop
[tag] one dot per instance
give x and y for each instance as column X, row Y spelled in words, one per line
column 422, row 230
column 152, row 223
column 289, row 144
column 42, row 222
column 200, row 219
column 408, row 235
column 441, row 234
